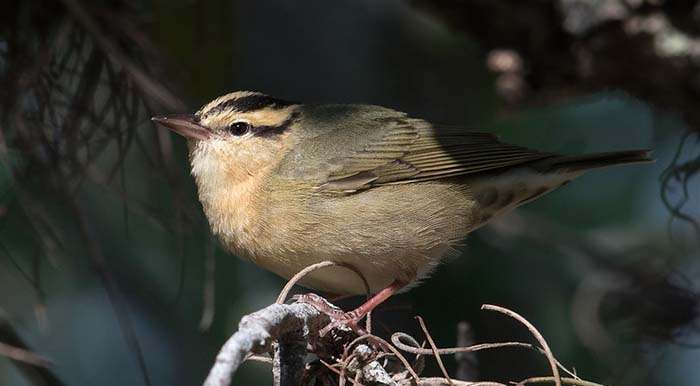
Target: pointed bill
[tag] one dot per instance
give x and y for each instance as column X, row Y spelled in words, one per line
column 184, row 124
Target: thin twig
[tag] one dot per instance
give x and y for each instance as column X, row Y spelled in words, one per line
column 398, row 354
column 259, row 358
column 277, row 325
column 386, row 345
column 35, row 373
column 434, row 348
column 397, row 337
column 301, row 274
column 22, row 355
column 145, row 83
column 564, row 380
column 435, row 381
column 344, row 366
column 535, row 333
column 338, row 372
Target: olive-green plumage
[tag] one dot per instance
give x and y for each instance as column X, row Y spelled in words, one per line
column 287, row 185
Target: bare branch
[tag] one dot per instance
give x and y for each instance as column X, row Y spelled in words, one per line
column 257, row 331
column 22, row 355
column 288, row 362
column 32, row 366
column 292, row 331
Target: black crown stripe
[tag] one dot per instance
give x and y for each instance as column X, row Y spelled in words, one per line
column 250, row 103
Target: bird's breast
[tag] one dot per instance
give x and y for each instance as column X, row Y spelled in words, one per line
column 233, row 214
column 232, row 183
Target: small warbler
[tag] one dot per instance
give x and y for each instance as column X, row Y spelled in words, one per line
column 286, row 185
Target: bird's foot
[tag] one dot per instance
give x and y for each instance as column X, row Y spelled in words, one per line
column 338, row 318
column 349, row 319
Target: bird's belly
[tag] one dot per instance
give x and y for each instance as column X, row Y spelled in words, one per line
column 387, row 233
column 349, row 277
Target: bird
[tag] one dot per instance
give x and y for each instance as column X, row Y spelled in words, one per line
column 286, row 185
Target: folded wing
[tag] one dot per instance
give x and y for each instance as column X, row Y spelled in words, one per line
column 412, row 150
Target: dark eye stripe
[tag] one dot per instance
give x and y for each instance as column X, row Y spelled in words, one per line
column 250, row 103
column 269, row 131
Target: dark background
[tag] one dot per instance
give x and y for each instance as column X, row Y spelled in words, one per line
column 105, row 256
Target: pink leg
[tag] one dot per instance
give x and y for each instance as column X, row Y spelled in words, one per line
column 351, row 318
column 379, row 298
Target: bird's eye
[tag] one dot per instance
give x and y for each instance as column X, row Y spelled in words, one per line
column 239, row 128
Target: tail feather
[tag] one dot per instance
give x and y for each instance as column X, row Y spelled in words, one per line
column 498, row 193
column 592, row 161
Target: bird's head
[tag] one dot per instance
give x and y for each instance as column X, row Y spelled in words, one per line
column 237, row 134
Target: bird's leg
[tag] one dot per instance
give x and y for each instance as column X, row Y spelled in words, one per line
column 352, row 318
column 380, row 297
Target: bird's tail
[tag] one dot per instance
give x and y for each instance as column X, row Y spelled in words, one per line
column 580, row 163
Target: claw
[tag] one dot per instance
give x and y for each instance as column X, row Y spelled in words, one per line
column 350, row 319
column 339, row 319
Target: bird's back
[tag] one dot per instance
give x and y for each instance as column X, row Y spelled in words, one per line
column 389, row 194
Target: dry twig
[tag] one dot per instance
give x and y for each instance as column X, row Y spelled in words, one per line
column 256, row 333
column 304, row 272
column 22, row 355
column 434, row 349
column 535, row 333
column 291, row 331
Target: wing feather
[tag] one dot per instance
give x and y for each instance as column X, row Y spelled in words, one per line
column 414, row 151
column 390, row 148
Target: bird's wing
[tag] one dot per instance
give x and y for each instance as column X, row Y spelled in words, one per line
column 396, row 149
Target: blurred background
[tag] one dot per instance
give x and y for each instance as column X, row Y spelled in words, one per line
column 107, row 267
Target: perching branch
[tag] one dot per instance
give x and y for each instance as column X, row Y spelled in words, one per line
column 284, row 323
column 289, row 332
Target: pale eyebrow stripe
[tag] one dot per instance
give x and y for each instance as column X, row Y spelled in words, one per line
column 250, row 103
column 267, row 131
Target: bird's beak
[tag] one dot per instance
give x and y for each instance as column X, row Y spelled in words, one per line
column 184, row 124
